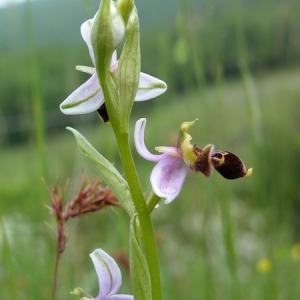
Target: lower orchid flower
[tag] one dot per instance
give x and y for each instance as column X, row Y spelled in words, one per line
column 169, row 173
column 109, row 277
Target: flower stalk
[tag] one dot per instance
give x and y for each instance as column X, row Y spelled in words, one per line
column 119, row 93
column 153, row 201
column 143, row 215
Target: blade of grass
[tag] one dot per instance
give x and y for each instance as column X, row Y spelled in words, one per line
column 37, row 101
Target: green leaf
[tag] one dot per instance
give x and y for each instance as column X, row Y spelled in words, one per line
column 140, row 276
column 129, row 66
column 107, row 171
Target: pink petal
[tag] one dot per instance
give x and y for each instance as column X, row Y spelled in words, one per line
column 86, row 29
column 118, row 24
column 168, row 177
column 140, row 144
column 109, row 274
column 85, row 99
column 114, row 59
column 149, row 87
column 120, row 297
column 169, row 150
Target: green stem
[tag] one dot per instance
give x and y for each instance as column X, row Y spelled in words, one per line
column 143, row 214
column 152, row 201
column 147, row 234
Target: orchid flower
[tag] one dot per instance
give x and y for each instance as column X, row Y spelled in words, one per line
column 89, row 96
column 109, row 277
column 169, row 173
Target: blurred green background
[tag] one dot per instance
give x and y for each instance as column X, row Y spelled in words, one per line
column 234, row 65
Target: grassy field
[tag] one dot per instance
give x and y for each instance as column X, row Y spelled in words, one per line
column 219, row 240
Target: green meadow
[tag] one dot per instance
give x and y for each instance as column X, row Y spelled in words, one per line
column 219, row 239
column 209, row 240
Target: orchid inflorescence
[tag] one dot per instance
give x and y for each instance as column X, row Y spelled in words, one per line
column 110, row 91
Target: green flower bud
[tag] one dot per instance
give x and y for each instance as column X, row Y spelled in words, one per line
column 125, row 7
column 107, row 33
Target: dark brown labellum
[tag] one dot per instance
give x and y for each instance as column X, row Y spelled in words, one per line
column 228, row 164
column 103, row 113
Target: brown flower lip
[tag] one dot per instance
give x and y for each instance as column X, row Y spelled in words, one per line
column 226, row 163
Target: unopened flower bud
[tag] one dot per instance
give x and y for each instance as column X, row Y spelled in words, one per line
column 107, row 32
column 118, row 24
